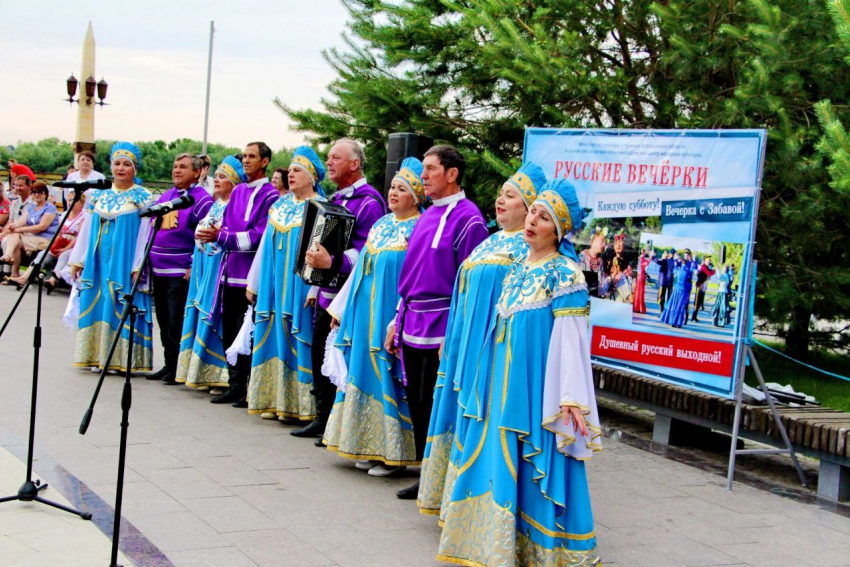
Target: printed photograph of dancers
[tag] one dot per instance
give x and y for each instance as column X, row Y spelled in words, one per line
column 671, row 282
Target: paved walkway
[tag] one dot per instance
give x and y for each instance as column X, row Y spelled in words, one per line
column 210, row 485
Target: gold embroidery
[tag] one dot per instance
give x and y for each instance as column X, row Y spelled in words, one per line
column 432, row 479
column 359, row 428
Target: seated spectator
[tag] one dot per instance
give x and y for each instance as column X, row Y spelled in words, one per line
column 31, row 231
column 4, row 208
column 56, row 260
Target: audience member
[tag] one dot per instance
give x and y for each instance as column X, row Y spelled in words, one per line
column 31, row 231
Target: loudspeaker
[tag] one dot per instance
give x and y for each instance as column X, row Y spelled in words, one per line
column 401, row 145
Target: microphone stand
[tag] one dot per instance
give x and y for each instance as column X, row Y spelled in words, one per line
column 130, row 311
column 29, row 489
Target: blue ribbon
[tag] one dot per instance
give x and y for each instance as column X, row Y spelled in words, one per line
column 782, row 354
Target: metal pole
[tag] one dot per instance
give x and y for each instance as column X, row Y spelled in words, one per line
column 209, row 80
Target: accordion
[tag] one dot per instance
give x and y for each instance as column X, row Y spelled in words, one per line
column 332, row 225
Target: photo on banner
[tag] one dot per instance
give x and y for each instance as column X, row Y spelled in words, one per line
column 666, row 244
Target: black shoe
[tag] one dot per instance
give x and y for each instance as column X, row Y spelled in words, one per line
column 409, row 493
column 169, row 379
column 319, row 443
column 49, row 287
column 228, row 397
column 241, row 403
column 313, row 429
column 158, row 375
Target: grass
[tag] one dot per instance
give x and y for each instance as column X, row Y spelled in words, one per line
column 829, row 391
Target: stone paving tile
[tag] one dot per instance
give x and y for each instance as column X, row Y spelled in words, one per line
column 230, row 471
column 229, row 514
column 278, row 548
column 178, row 531
column 186, row 483
column 218, row 557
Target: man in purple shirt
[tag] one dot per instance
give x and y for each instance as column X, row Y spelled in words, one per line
column 345, row 169
column 242, row 227
column 444, row 236
column 171, row 259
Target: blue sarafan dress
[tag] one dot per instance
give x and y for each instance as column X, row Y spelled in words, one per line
column 202, row 361
column 281, row 377
column 521, row 495
column 676, row 309
column 110, row 245
column 370, row 419
column 473, row 309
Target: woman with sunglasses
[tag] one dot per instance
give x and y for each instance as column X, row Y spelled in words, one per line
column 32, row 231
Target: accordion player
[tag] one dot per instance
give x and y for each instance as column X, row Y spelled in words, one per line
column 331, row 225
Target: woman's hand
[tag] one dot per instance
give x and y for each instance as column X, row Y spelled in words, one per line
column 334, row 323
column 207, row 235
column 311, row 302
column 252, row 297
column 572, row 413
column 75, row 272
column 317, row 257
column 389, row 343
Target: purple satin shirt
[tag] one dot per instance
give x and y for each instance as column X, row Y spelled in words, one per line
column 242, row 227
column 428, row 273
column 171, row 253
column 367, row 204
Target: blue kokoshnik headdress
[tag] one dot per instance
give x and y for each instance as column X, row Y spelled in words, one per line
column 232, row 168
column 410, row 174
column 128, row 151
column 306, row 158
column 559, row 198
column 528, row 181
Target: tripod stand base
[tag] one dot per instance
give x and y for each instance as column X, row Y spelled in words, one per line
column 28, row 492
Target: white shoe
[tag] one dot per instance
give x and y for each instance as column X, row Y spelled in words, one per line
column 268, row 415
column 216, row 392
column 95, row 369
column 202, row 388
column 366, row 465
column 383, row 470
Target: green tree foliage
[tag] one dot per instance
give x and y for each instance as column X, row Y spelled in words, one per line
column 474, row 73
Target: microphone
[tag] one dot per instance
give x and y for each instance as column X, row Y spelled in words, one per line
column 85, row 185
column 161, row 209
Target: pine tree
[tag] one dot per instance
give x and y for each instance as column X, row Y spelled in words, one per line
column 474, row 73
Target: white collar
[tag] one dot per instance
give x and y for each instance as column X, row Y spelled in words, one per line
column 258, row 182
column 350, row 189
column 450, row 199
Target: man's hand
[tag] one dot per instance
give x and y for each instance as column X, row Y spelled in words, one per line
column 389, row 342
column 317, row 257
column 207, row 235
column 188, row 275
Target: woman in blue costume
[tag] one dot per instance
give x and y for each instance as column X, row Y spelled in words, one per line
column 477, row 288
column 721, row 312
column 202, row 364
column 281, row 377
column 676, row 311
column 521, row 495
column 106, row 258
column 370, row 420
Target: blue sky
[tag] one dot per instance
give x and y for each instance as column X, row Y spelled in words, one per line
column 153, row 54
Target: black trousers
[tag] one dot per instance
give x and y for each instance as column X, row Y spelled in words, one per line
column 234, row 306
column 420, row 368
column 699, row 301
column 323, row 389
column 169, row 295
column 663, row 296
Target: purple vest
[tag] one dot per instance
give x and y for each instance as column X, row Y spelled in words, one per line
column 171, row 253
column 242, row 227
column 429, row 271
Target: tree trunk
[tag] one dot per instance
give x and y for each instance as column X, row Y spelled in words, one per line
column 798, row 337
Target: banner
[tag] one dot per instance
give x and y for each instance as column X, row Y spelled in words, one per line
column 666, row 244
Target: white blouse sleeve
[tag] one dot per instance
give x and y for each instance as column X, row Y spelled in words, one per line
column 569, row 382
column 141, row 242
column 78, row 252
column 254, row 272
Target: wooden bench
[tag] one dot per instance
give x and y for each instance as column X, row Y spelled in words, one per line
column 817, row 432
